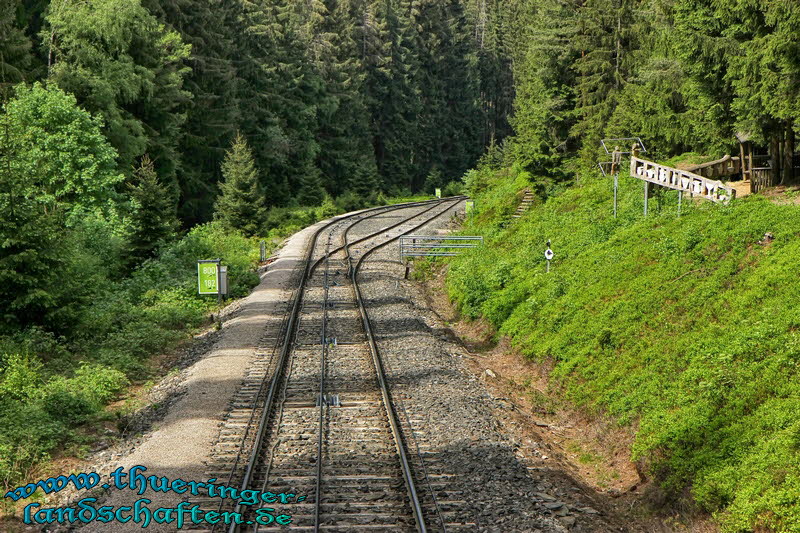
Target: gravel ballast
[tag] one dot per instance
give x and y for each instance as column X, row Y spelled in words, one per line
column 455, row 428
column 504, row 487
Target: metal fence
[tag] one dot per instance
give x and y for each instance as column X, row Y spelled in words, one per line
column 436, row 246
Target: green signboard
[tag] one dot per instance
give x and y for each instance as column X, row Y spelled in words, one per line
column 469, row 207
column 208, row 277
column 438, row 193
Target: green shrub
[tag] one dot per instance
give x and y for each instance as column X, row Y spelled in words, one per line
column 27, row 435
column 454, row 188
column 98, row 384
column 686, row 326
column 64, row 405
column 20, row 376
column 350, row 201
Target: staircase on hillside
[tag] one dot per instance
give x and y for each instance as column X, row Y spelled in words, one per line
column 527, row 202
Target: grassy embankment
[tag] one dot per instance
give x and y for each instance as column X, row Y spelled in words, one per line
column 54, row 389
column 686, row 329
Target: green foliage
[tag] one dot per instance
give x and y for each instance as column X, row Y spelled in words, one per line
column 19, row 376
column 242, row 204
column 37, row 414
column 685, row 326
column 153, row 219
column 684, row 75
column 15, row 47
column 58, row 192
column 29, row 262
column 60, row 156
column 213, row 30
column 311, row 192
column 454, row 188
column 121, row 63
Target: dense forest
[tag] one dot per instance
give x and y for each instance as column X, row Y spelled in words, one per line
column 137, row 136
column 684, row 75
column 333, row 97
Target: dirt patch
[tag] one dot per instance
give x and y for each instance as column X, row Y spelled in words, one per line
column 588, row 447
column 783, row 194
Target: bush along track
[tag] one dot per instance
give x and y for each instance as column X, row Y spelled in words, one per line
column 52, row 385
column 683, row 328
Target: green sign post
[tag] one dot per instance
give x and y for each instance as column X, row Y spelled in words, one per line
column 438, row 193
column 469, row 207
column 208, row 276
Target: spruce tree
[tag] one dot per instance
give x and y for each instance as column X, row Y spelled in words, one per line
column 122, row 63
column 32, row 249
column 242, row 202
column 154, row 218
column 15, row 47
column 544, row 84
column 311, row 192
column 212, row 28
column 337, row 32
column 392, row 92
column 605, row 40
column 280, row 95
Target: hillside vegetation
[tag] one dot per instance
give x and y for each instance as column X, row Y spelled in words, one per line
column 138, row 136
column 685, row 328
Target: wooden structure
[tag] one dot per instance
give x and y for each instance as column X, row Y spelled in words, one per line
column 527, row 202
column 681, row 180
column 721, row 168
column 779, row 166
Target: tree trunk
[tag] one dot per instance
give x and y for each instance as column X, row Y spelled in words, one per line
column 787, row 175
column 743, row 163
column 775, row 158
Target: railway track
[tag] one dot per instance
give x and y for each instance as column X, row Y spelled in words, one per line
column 315, row 416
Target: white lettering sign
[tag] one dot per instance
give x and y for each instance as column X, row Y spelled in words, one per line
column 681, row 180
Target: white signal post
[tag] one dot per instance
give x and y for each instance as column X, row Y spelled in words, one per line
column 548, row 255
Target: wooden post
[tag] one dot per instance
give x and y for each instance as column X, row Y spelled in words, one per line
column 743, row 162
column 680, row 201
column 616, row 159
column 646, row 195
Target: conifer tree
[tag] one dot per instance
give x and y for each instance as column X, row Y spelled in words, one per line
column 391, row 91
column 15, row 47
column 153, row 218
column 31, row 247
column 338, row 34
column 544, row 84
column 242, row 202
column 605, row 40
column 311, row 192
column 121, row 63
column 281, row 95
column 212, row 28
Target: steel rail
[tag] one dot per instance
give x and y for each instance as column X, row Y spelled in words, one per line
column 289, row 335
column 394, row 422
column 291, row 331
column 326, row 258
column 389, row 228
column 322, row 402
